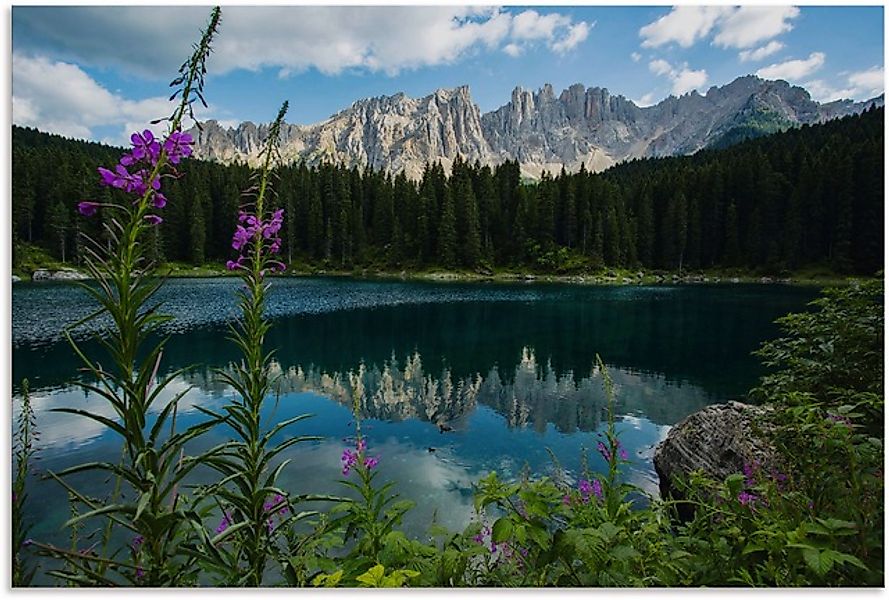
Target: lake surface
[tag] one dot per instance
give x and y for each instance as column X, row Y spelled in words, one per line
column 508, row 367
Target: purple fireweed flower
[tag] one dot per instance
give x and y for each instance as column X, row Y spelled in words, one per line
column 585, row 487
column 370, row 463
column 275, row 501
column 566, row 500
column 178, row 146
column 153, row 219
column 253, row 230
column 623, row 454
column 119, row 178
column 349, row 459
column 840, row 419
column 145, row 147
column 240, row 237
column 604, row 451
column 747, row 499
column 779, row 478
column 159, row 200
column 87, row 208
column 589, row 488
column 232, row 264
column 139, row 573
column 122, row 179
column 597, row 488
column 224, row 523
column 751, row 468
column 750, row 472
column 139, row 185
column 137, row 543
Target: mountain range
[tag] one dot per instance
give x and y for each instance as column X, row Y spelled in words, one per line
column 540, row 130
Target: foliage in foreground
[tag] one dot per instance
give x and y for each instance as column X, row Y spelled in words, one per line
column 814, row 519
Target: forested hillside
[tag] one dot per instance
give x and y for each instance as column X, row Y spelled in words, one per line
column 812, row 195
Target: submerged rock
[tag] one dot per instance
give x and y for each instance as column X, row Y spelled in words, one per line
column 718, row 439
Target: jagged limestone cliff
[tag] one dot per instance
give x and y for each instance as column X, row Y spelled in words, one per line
column 542, row 131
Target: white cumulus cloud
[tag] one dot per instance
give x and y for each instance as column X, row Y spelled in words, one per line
column 761, row 52
column 291, row 39
column 683, row 79
column 576, row 34
column 793, row 70
column 734, row 27
column 860, row 85
column 61, row 98
column 687, row 80
column 514, row 50
column 531, row 25
column 683, row 25
column 869, row 81
column 660, row 67
column 747, row 26
column 645, row 100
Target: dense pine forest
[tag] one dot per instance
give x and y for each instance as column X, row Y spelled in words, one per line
column 812, row 195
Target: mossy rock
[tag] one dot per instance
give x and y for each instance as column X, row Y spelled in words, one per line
column 718, row 441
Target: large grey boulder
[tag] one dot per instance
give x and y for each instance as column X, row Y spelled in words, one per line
column 64, row 274
column 67, row 274
column 719, row 440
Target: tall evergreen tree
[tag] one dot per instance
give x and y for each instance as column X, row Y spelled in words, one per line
column 197, row 232
column 447, row 233
column 59, row 222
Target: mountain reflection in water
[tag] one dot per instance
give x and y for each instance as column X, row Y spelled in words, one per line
column 531, row 395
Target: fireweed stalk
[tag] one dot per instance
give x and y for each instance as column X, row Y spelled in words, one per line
column 377, row 511
column 23, row 451
column 255, row 513
column 611, row 450
column 124, row 287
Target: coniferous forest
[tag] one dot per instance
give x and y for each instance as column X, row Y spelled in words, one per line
column 812, row 195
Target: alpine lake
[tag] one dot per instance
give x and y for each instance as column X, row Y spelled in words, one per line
column 459, row 379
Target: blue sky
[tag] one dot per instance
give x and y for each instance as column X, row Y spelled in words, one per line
column 98, row 73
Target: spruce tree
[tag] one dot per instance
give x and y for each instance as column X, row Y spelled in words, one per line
column 197, row 233
column 447, row 233
column 59, row 221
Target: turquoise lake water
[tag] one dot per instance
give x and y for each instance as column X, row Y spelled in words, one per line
column 509, row 368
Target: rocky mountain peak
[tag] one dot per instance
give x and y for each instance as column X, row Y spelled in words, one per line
column 580, row 126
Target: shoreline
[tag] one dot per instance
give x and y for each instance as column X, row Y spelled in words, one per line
column 603, row 277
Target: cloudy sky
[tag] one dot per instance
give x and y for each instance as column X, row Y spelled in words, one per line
column 100, row 72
